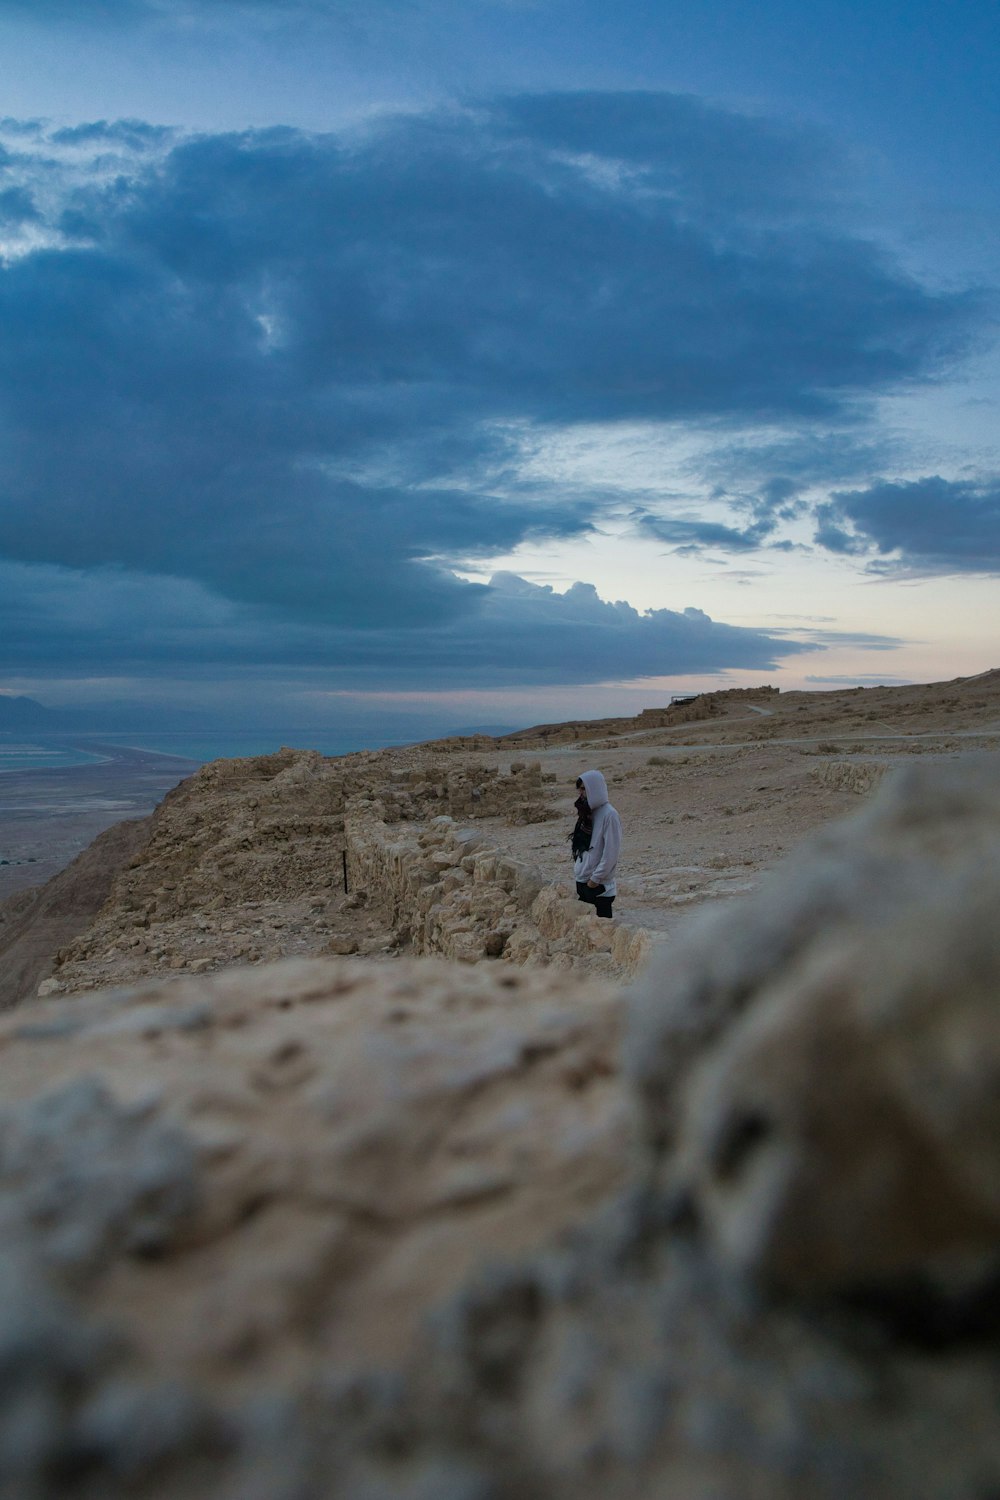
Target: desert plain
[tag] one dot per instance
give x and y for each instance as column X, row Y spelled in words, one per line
column 47, row 817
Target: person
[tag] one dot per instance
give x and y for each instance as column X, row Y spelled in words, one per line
column 596, row 843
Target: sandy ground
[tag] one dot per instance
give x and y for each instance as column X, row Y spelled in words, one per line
column 706, row 807
column 697, row 826
column 48, row 817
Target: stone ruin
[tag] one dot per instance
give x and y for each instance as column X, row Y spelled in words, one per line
column 449, row 1232
column 242, row 844
column 447, row 891
column 413, row 794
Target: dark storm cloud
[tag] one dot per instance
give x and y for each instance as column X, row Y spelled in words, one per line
column 527, row 633
column 717, row 170
column 136, row 135
column 934, row 525
column 695, row 535
column 291, row 369
column 17, row 207
column 58, row 620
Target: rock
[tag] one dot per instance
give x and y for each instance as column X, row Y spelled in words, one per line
column 840, row 1127
column 251, row 1164
column 42, row 921
column 341, row 945
column 85, row 1179
column 452, row 894
column 850, row 775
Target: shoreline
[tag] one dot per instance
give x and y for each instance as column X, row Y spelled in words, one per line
column 49, row 814
column 97, row 752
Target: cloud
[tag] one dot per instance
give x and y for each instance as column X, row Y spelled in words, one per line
column 694, row 536
column 53, row 619
column 930, row 525
column 721, row 168
column 17, row 207
column 861, row 680
column 285, row 368
column 859, row 640
column 135, row 135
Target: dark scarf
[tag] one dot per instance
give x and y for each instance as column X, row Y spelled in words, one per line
column 581, row 835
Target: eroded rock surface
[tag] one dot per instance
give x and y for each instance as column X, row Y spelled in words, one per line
column 287, row 1164
column 230, row 1202
column 822, row 1073
column 294, row 854
column 35, row 924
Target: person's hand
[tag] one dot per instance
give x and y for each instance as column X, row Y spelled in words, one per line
column 592, row 885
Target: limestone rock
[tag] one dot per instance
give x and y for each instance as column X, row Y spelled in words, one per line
column 852, row 776
column 295, row 855
column 459, row 897
column 312, row 1152
column 840, row 1127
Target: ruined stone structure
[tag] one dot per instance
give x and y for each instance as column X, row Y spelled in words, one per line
column 860, row 777
column 246, row 859
column 446, row 891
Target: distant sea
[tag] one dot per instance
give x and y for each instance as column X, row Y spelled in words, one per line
column 20, row 754
column 52, row 752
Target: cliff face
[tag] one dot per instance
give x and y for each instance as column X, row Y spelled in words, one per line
column 35, row 924
column 298, row 1231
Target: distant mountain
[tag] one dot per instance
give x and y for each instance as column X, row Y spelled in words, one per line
column 20, row 715
column 25, row 714
column 496, row 730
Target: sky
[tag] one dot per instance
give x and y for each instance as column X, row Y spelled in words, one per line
column 498, row 360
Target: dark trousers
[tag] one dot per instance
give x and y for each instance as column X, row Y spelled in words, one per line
column 595, row 897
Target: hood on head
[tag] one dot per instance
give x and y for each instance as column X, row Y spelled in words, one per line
column 596, row 788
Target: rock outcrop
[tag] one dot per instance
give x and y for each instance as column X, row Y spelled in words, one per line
column 300, row 1233
column 860, row 777
column 246, row 862
column 821, row 1080
column 447, row 891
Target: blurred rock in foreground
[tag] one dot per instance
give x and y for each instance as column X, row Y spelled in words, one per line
column 229, row 1205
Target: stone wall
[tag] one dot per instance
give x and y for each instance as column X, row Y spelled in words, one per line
column 860, row 777
column 445, row 890
column 416, row 792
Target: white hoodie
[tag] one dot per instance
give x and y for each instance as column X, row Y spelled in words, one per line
column 598, row 863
